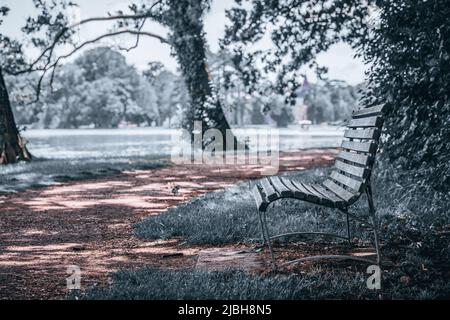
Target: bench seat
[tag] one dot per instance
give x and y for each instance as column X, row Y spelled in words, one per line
column 272, row 189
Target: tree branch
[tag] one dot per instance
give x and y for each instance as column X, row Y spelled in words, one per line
column 50, row 49
column 54, row 65
column 136, row 44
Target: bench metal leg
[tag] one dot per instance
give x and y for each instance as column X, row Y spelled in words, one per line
column 266, row 238
column 263, row 233
column 269, row 241
column 349, row 236
column 347, row 214
column 374, row 222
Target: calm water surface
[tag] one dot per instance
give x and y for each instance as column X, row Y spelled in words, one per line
column 65, row 155
column 141, row 142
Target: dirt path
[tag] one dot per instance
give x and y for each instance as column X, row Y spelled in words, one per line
column 89, row 224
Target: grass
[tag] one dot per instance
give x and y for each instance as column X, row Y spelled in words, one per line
column 230, row 216
column 157, row 284
column 416, row 230
column 45, row 172
column 189, row 284
column 412, row 215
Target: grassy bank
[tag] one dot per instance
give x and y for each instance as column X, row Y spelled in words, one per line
column 230, row 216
column 415, row 237
column 157, row 284
column 321, row 282
column 45, row 172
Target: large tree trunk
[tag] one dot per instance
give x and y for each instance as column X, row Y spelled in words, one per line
column 188, row 41
column 12, row 146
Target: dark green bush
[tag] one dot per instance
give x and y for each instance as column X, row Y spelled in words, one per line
column 406, row 43
column 410, row 57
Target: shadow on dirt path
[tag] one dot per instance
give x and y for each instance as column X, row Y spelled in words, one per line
column 89, row 223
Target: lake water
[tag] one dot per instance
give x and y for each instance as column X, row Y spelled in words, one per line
column 141, row 142
column 65, row 155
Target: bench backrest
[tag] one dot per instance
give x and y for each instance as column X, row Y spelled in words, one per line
column 354, row 162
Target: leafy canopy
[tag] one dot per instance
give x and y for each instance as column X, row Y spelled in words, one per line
column 406, row 42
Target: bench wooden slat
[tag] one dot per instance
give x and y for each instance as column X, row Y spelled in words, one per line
column 259, row 198
column 268, row 190
column 330, row 195
column 365, row 122
column 368, row 147
column 339, row 191
column 361, row 159
column 360, row 172
column 347, row 181
column 297, row 193
column 371, row 133
column 280, row 187
column 302, row 189
column 322, row 199
column 369, row 112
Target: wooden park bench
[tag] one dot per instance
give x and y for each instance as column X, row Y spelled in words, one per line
column 349, row 180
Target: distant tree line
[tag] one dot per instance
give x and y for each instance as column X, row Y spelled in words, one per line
column 327, row 101
column 101, row 90
column 331, row 101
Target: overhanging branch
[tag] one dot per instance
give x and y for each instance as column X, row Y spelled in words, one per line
column 53, row 66
column 49, row 51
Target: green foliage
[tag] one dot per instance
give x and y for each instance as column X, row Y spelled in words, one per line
column 11, row 54
column 231, row 91
column 327, row 101
column 171, row 94
column 299, row 31
column 50, row 18
column 184, row 19
column 99, row 88
column 405, row 42
column 21, row 91
column 256, row 116
column 331, row 102
column 410, row 56
column 47, row 24
column 280, row 112
column 187, row 36
column 41, row 29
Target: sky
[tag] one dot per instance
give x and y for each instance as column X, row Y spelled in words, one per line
column 339, row 59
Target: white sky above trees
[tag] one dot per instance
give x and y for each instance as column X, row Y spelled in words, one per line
column 339, row 59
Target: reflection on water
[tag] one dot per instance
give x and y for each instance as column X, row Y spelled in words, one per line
column 141, row 142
